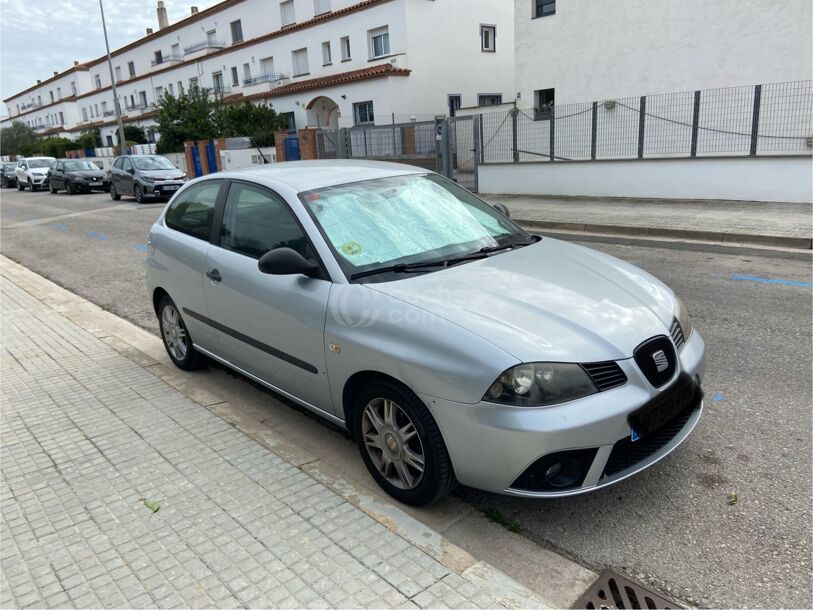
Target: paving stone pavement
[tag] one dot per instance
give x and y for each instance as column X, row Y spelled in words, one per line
column 88, row 435
column 744, row 217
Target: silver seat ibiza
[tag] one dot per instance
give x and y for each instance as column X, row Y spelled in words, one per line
column 452, row 344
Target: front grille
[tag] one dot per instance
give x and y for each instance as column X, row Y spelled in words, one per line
column 627, row 453
column 676, row 331
column 606, row 375
column 648, row 355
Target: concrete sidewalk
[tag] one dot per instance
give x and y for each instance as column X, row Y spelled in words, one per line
column 90, row 437
column 785, row 225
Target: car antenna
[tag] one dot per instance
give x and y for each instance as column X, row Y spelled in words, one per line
column 257, row 146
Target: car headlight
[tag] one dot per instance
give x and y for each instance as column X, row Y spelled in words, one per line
column 148, row 178
column 683, row 318
column 538, row 384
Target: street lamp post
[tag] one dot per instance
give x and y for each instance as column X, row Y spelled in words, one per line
column 116, row 106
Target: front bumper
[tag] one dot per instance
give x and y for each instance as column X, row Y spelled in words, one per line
column 492, row 445
column 161, row 190
column 38, row 179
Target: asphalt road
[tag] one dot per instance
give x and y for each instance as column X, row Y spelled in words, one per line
column 671, row 526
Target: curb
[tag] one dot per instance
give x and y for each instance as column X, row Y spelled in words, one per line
column 146, row 350
column 774, row 241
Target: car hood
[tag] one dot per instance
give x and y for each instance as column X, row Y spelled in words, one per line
column 38, row 170
column 551, row 301
column 87, row 173
column 163, row 174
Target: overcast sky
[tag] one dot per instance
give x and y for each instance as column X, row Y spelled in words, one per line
column 40, row 36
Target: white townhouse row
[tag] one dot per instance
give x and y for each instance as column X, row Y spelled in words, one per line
column 328, row 63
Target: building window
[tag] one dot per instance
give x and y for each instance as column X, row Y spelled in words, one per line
column 104, row 108
column 326, row 58
column 379, row 42
column 96, row 110
column 363, row 113
column 61, row 118
column 217, row 82
column 118, row 74
column 290, row 117
column 51, row 93
column 236, row 32
column 489, row 99
column 488, row 35
column 266, row 65
column 543, row 104
column 544, row 8
column 286, row 10
column 455, row 102
column 175, row 52
column 235, row 77
column 159, row 58
column 159, row 93
column 73, row 88
column 132, row 102
column 98, row 81
column 246, row 72
column 300, row 62
column 320, row 7
column 142, row 97
column 170, row 89
column 180, row 88
column 109, row 140
column 131, row 68
column 193, row 82
column 344, row 43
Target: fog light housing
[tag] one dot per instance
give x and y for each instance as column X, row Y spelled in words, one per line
column 557, row 471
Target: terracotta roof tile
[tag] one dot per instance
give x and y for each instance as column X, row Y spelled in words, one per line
column 333, row 79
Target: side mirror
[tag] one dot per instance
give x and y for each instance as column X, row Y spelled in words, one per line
column 131, row 170
column 285, row 261
column 501, row 209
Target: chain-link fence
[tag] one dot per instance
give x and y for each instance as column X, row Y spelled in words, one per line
column 750, row 120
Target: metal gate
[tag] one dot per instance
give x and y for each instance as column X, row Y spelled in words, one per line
column 464, row 148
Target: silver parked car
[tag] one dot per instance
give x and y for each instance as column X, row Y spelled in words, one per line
column 145, row 177
column 451, row 343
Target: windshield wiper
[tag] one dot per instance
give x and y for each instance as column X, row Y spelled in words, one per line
column 399, row 268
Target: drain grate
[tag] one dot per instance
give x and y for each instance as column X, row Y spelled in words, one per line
column 611, row 590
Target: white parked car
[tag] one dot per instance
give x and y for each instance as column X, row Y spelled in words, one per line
column 33, row 172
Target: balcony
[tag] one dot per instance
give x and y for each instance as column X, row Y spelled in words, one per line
column 221, row 90
column 264, row 78
column 205, row 45
column 167, row 59
column 31, row 105
column 109, row 113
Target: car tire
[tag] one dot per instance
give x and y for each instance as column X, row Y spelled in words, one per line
column 113, row 194
column 138, row 194
column 31, row 186
column 176, row 338
column 20, row 186
column 390, row 423
column 69, row 188
column 51, row 188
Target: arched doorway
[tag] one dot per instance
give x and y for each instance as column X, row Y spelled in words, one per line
column 323, row 112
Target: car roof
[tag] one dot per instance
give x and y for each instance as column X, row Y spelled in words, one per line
column 308, row 175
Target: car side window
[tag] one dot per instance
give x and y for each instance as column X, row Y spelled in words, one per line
column 256, row 221
column 127, row 165
column 118, row 162
column 192, row 211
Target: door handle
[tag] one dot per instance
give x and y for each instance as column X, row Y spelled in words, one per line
column 214, row 275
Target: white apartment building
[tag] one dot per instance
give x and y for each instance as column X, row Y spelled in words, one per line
column 332, row 63
column 581, row 51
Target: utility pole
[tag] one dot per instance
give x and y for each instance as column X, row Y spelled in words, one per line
column 116, row 106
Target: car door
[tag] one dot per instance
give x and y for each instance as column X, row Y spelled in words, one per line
column 271, row 326
column 56, row 175
column 22, row 168
column 178, row 248
column 125, row 186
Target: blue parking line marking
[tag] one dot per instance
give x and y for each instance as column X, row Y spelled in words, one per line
column 718, row 397
column 97, row 235
column 61, row 226
column 140, row 247
column 769, row 280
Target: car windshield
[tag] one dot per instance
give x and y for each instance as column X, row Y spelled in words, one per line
column 152, row 163
column 40, row 162
column 78, row 166
column 405, row 219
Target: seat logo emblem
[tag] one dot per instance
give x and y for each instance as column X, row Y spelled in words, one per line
column 661, row 361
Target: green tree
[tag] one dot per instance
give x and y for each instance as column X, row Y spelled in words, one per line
column 133, row 134
column 89, row 138
column 247, row 119
column 192, row 115
column 17, row 139
column 54, row 147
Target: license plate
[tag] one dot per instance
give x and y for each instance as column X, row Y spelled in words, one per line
column 170, row 188
column 95, row 184
column 664, row 407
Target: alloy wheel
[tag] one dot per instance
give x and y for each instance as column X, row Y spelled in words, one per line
column 393, row 443
column 174, row 332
